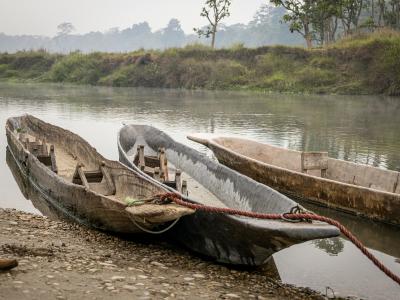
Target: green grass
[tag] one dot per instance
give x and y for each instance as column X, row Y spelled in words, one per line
column 359, row 64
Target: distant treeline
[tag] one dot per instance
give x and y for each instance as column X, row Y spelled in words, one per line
column 266, row 28
column 360, row 64
column 280, row 22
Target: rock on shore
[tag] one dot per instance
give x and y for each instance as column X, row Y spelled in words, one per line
column 59, row 260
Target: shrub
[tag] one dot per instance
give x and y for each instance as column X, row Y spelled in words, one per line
column 195, row 73
column 315, row 77
column 272, row 62
column 135, row 75
column 278, row 82
column 77, row 68
column 323, row 62
column 227, row 73
column 3, row 68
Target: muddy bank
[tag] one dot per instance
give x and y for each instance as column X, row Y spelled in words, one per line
column 65, row 261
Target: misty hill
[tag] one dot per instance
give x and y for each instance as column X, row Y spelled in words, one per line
column 265, row 28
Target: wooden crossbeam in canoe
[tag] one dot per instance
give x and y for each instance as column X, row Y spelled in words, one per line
column 85, row 178
column 157, row 167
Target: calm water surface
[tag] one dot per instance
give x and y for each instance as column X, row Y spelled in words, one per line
column 359, row 129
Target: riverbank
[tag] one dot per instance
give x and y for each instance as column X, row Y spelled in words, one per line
column 63, row 260
column 362, row 64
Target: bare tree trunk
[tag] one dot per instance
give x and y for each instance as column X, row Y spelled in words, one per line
column 307, row 35
column 381, row 4
column 372, row 11
column 309, row 42
column 308, row 38
column 397, row 14
column 213, row 39
column 214, row 29
column 357, row 18
column 333, row 33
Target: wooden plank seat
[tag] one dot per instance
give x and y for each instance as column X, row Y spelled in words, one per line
column 149, row 171
column 157, row 167
column 171, row 184
column 36, row 148
column 314, row 163
column 39, row 149
column 98, row 180
column 151, row 161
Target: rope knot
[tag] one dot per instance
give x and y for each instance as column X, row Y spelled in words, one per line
column 165, row 198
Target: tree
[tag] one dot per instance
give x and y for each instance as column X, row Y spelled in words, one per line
column 392, row 14
column 324, row 20
column 299, row 17
column 214, row 11
column 65, row 28
column 350, row 11
column 267, row 28
column 172, row 35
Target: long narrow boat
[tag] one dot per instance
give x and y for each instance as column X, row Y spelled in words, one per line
column 313, row 176
column 228, row 239
column 81, row 183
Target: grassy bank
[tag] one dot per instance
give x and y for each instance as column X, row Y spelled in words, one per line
column 362, row 64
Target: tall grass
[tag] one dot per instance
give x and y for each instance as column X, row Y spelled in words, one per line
column 358, row 64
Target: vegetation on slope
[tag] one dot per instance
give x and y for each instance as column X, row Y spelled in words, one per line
column 361, row 64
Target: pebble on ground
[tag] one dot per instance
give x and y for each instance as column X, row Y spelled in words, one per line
column 61, row 260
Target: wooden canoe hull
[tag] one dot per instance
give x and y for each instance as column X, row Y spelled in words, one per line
column 77, row 202
column 40, row 200
column 367, row 202
column 225, row 238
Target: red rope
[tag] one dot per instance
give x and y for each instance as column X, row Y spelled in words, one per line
column 298, row 216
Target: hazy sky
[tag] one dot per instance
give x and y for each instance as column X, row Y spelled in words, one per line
column 41, row 17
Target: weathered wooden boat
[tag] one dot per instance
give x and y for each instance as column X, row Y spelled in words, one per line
column 81, row 183
column 313, row 176
column 226, row 238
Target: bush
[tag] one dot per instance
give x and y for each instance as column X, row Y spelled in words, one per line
column 272, row 62
column 77, row 68
column 278, row 82
column 310, row 77
column 135, row 75
column 226, row 74
column 195, row 73
column 3, row 68
column 323, row 62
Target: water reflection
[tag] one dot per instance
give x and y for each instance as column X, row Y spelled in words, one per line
column 382, row 237
column 331, row 246
column 361, row 129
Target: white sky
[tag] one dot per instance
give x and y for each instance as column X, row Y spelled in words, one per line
column 41, row 17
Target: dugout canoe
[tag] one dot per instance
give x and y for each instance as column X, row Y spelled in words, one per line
column 312, row 176
column 227, row 239
column 81, row 183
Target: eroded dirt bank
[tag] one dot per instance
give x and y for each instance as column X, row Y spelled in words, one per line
column 66, row 261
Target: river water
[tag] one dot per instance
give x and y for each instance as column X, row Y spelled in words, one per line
column 360, row 129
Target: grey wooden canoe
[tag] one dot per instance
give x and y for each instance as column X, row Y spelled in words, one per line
column 81, row 183
column 313, row 176
column 227, row 239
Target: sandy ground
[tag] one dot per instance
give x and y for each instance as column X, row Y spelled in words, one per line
column 61, row 260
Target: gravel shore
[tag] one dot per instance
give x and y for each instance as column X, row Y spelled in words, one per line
column 61, row 260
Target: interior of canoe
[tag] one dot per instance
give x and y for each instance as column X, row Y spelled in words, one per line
column 73, row 159
column 315, row 164
column 157, row 165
